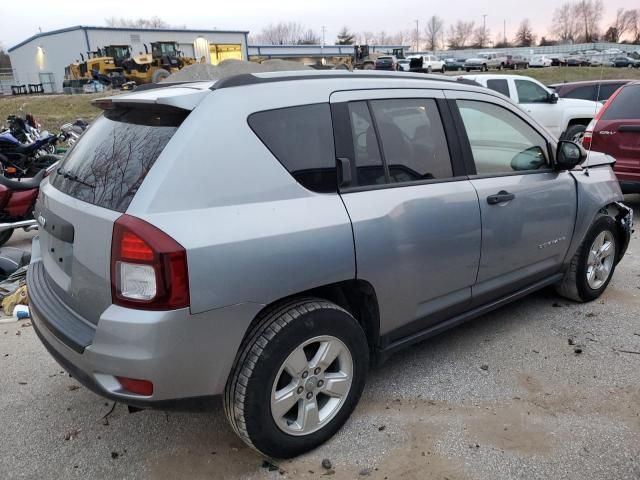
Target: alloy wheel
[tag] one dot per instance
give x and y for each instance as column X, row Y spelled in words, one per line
column 311, row 385
column 600, row 260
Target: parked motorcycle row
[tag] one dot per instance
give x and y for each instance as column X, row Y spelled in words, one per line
column 27, row 155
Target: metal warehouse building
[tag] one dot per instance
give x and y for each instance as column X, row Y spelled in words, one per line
column 43, row 57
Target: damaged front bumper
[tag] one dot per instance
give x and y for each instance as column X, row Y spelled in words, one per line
column 624, row 220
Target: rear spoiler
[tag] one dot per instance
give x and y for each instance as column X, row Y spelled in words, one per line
column 183, row 97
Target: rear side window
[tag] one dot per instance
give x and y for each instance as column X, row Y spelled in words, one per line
column 608, row 89
column 414, row 144
column 586, row 92
column 301, row 138
column 108, row 164
column 625, row 106
column 500, row 86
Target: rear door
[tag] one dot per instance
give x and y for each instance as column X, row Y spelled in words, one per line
column 618, row 132
column 415, row 215
column 91, row 189
column 528, row 209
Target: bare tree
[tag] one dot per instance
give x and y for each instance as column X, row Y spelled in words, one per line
column 5, row 61
column 564, row 26
column 589, row 14
column 310, row 37
column 433, row 32
column 481, row 37
column 525, row 36
column 382, row 38
column 152, row 22
column 282, row 33
column 460, row 34
column 634, row 25
column 620, row 25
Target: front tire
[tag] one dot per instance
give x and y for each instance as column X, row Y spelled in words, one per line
column 298, row 376
column 574, row 133
column 5, row 235
column 592, row 266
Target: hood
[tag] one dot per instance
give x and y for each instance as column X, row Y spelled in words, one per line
column 587, row 106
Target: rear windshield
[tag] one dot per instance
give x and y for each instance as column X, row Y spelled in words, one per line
column 108, row 164
column 625, row 106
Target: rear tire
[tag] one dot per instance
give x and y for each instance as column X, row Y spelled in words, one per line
column 270, row 368
column 584, row 281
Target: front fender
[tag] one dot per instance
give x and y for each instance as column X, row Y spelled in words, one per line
column 598, row 191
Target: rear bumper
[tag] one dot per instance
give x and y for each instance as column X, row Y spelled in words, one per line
column 186, row 357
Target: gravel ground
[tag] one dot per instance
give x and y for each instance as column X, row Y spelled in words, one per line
column 503, row 397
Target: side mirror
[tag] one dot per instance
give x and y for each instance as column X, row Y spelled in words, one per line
column 553, row 98
column 569, row 154
column 529, row 159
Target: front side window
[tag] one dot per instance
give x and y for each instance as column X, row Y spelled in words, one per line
column 529, row 92
column 414, row 144
column 301, row 138
column 501, row 142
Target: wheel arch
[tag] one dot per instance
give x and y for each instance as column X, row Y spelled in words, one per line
column 356, row 296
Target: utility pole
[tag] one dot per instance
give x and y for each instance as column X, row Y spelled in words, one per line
column 484, row 29
column 504, row 33
column 324, row 29
column 417, row 37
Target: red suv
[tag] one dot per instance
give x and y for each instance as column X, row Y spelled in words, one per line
column 616, row 132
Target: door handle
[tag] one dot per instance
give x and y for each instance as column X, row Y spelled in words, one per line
column 500, row 197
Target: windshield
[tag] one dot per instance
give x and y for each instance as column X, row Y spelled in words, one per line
column 162, row 49
column 109, row 162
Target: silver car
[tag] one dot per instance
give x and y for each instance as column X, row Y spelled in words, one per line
column 268, row 237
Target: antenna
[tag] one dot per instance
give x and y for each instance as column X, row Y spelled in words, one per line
column 586, row 166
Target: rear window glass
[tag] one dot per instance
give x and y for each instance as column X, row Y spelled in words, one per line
column 586, row 92
column 625, row 106
column 301, row 138
column 108, row 164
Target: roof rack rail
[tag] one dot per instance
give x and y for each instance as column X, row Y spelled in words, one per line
column 153, row 86
column 244, row 79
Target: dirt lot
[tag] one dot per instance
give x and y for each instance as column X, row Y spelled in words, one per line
column 506, row 396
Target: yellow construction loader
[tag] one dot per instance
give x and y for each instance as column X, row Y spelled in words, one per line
column 100, row 65
column 151, row 67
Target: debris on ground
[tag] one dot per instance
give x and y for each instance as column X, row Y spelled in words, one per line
column 71, row 434
column 326, row 464
column 71, row 388
column 115, row 455
column 272, row 467
column 571, row 341
column 578, row 350
column 484, row 367
column 365, row 472
column 381, row 428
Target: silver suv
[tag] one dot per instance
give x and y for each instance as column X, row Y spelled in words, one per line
column 268, row 237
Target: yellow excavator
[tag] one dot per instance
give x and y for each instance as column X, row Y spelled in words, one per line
column 101, row 65
column 151, row 67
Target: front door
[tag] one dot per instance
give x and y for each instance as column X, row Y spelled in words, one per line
column 415, row 216
column 528, row 209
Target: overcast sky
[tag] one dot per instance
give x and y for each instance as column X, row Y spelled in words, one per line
column 19, row 19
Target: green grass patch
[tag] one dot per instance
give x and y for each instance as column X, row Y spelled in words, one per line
column 52, row 111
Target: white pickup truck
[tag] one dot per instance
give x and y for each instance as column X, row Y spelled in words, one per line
column 565, row 118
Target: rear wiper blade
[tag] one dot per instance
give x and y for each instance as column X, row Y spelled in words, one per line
column 74, row 178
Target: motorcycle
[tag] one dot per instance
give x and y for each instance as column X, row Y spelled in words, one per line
column 17, row 201
column 25, row 160
column 70, row 132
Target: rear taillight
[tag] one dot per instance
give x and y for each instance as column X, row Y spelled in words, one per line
column 588, row 134
column 587, row 140
column 148, row 267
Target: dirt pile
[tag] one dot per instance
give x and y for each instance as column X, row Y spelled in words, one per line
column 227, row 68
